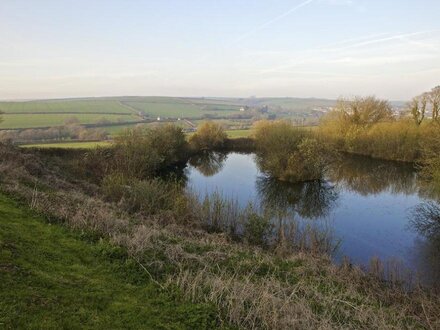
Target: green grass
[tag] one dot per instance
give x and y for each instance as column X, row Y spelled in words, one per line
column 68, row 105
column 69, row 145
column 14, row 121
column 92, row 110
column 53, row 278
column 179, row 107
column 239, row 133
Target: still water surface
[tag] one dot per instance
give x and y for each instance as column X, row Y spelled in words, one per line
column 366, row 202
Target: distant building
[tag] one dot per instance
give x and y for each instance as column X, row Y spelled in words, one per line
column 242, row 109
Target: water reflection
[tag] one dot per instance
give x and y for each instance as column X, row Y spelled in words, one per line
column 365, row 201
column 312, row 199
column 208, row 163
column 370, row 177
column 425, row 219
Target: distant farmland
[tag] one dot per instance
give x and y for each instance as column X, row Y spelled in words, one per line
column 109, row 111
column 15, row 121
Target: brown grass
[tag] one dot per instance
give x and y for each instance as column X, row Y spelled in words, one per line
column 252, row 288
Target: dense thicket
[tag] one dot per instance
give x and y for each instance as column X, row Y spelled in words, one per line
column 209, row 136
column 138, row 153
column 366, row 126
column 289, row 153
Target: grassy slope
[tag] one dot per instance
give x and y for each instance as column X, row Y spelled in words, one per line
column 72, row 105
column 173, row 107
column 53, row 278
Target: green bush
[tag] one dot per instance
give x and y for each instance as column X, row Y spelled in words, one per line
column 257, row 228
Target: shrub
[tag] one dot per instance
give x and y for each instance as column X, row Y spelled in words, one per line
column 387, row 139
column 141, row 152
column 209, row 136
column 257, row 228
column 289, row 153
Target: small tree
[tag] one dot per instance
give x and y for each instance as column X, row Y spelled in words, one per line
column 364, row 111
column 418, row 108
column 434, row 99
column 209, row 136
column 141, row 152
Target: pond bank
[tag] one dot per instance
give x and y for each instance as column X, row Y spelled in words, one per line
column 249, row 286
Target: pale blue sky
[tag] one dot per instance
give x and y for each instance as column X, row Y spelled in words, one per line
column 304, row 48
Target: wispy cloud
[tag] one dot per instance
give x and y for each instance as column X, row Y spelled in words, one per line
column 272, row 21
column 384, row 39
column 400, row 48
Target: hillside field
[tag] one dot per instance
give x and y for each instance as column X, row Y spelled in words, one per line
column 45, row 113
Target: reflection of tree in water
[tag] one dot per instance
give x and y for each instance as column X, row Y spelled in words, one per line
column 369, row 176
column 312, row 199
column 425, row 219
column 208, row 163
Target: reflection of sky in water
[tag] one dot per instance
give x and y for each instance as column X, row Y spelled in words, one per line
column 369, row 220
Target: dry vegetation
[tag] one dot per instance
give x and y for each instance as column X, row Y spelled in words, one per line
column 209, row 135
column 289, row 153
column 367, row 127
column 256, row 280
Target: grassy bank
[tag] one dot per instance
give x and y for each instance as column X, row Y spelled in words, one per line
column 51, row 277
column 183, row 244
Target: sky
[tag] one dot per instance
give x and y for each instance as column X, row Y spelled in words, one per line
column 231, row 48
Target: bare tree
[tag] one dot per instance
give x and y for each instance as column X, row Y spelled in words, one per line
column 418, row 108
column 434, row 99
column 365, row 110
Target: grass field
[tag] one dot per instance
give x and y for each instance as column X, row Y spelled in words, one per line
column 45, row 113
column 175, row 108
column 14, row 121
column 52, row 278
column 68, row 105
column 70, row 145
column 239, row 133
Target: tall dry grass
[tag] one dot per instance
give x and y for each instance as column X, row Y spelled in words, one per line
column 253, row 288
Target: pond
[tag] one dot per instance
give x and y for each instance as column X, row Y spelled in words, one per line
column 367, row 203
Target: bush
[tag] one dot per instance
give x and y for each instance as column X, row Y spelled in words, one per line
column 209, row 136
column 289, row 153
column 392, row 140
column 141, row 153
column 257, row 228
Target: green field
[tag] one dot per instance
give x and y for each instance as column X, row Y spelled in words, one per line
column 14, row 121
column 44, row 113
column 69, row 145
column 68, row 105
column 178, row 108
column 239, row 133
column 52, row 278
